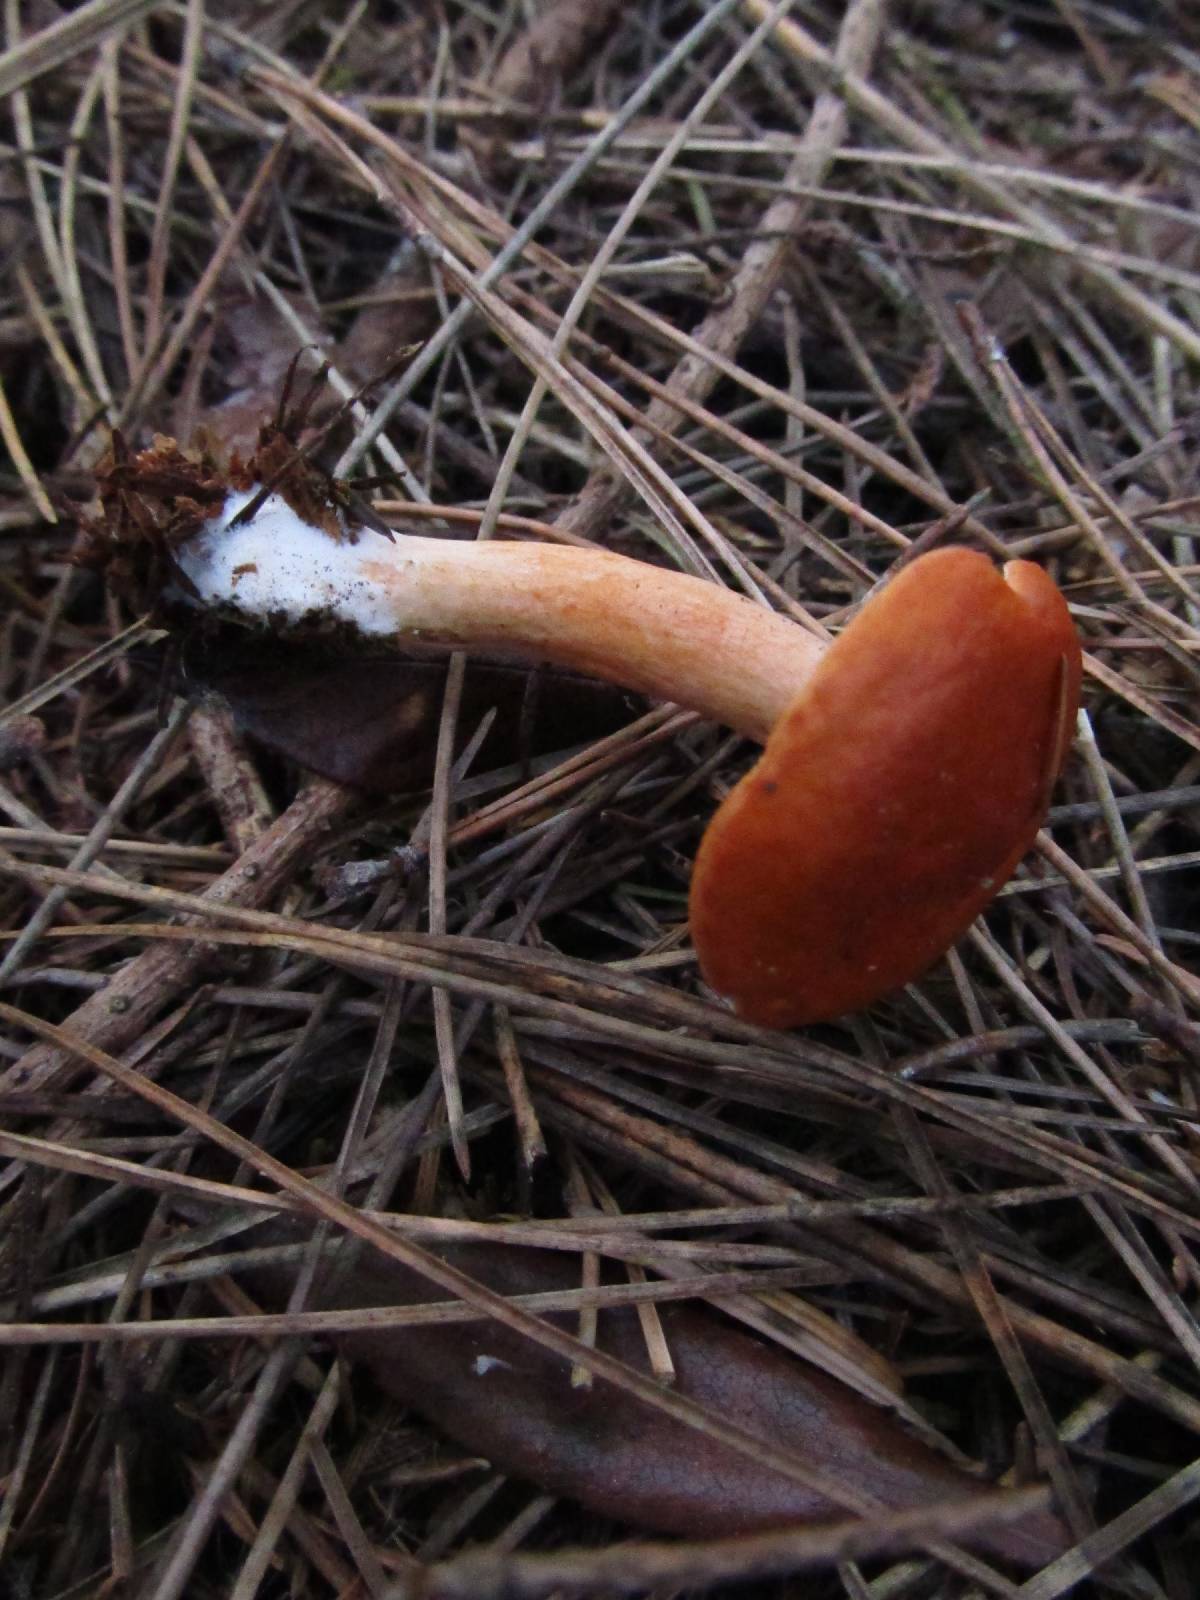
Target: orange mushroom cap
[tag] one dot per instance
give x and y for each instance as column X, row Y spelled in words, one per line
column 894, row 797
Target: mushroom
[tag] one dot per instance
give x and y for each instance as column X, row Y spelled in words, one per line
column 907, row 768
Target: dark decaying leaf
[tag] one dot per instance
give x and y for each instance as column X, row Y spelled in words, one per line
column 501, row 1397
column 372, row 723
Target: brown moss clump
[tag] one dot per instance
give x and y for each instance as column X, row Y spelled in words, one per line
column 153, row 501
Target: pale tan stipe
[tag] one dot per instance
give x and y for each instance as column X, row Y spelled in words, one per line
column 662, row 633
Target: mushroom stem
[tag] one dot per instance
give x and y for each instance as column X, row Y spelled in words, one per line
column 664, row 634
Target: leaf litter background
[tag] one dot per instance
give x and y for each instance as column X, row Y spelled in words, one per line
column 912, row 273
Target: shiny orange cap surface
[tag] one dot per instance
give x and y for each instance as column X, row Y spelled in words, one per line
column 895, row 796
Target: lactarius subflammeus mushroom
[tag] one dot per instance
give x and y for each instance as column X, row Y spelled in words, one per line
column 907, row 766
column 895, row 795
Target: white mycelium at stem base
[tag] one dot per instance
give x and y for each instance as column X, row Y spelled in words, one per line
column 662, row 633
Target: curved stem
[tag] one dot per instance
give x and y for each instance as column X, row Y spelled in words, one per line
column 665, row 634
